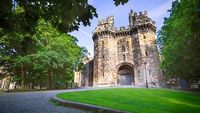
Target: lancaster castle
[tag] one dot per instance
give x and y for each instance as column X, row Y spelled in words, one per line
column 124, row 56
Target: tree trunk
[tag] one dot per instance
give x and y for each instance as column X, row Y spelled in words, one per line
column 22, row 75
column 50, row 75
column 40, row 85
column 32, row 87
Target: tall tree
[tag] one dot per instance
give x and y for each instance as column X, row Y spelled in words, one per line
column 19, row 17
column 55, row 53
column 29, row 45
column 179, row 40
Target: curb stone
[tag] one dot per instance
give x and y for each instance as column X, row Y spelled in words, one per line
column 87, row 107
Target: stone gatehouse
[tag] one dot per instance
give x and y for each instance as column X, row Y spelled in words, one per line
column 124, row 56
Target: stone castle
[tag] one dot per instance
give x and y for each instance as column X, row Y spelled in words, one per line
column 124, row 56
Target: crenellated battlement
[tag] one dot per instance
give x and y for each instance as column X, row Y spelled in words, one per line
column 108, row 20
column 138, row 22
column 140, row 14
column 141, row 18
column 105, row 24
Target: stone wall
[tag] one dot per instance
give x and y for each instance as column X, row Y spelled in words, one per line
column 133, row 46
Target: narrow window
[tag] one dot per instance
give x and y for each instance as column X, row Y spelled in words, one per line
column 102, row 43
column 144, row 37
column 146, row 53
column 123, row 48
column 124, row 57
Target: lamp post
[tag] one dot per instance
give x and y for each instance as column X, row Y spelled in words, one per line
column 145, row 63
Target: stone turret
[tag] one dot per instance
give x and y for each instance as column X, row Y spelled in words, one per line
column 105, row 24
column 146, row 57
column 141, row 21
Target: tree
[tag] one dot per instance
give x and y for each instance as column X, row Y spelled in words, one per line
column 56, row 53
column 179, row 41
column 66, row 15
column 18, row 18
column 33, row 37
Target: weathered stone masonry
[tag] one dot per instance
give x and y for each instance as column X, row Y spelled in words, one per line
column 126, row 56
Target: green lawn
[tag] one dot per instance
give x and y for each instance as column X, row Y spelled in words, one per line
column 139, row 100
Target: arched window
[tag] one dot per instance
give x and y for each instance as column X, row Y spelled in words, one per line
column 123, row 48
column 124, row 57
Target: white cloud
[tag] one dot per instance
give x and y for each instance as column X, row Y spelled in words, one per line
column 160, row 10
column 85, row 33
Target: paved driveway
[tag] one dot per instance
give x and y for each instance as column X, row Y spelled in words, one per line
column 38, row 101
column 33, row 102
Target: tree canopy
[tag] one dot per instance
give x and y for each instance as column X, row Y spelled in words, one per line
column 66, row 15
column 54, row 52
column 179, row 41
column 35, row 48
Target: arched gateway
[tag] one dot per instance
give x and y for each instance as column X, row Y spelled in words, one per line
column 125, row 74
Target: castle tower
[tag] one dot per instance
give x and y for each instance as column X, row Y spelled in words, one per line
column 102, row 73
column 128, row 55
column 145, row 53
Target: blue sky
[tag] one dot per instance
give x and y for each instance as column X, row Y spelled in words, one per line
column 157, row 10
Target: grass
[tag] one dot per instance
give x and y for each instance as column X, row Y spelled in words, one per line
column 139, row 100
